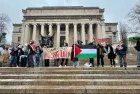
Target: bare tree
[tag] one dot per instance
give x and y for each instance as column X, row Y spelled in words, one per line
column 4, row 22
column 134, row 19
column 123, row 32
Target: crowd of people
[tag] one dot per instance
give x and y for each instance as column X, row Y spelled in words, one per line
column 108, row 49
column 30, row 55
column 19, row 56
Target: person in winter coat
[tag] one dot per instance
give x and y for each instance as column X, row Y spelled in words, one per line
column 6, row 57
column 20, row 52
column 137, row 47
column 100, row 55
column 73, row 58
column 31, row 53
column 66, row 60
column 111, row 54
column 38, row 54
column 91, row 60
column 13, row 59
column 121, row 52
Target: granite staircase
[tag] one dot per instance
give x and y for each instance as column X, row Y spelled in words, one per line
column 107, row 80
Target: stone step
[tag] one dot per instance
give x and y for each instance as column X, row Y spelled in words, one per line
column 70, row 76
column 67, row 82
column 29, row 89
column 67, row 68
column 72, row 72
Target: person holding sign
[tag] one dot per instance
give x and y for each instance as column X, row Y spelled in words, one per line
column 66, row 60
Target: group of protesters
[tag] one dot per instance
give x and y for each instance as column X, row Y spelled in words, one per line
column 108, row 49
column 31, row 54
column 22, row 56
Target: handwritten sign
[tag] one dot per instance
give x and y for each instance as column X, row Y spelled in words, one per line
column 57, row 52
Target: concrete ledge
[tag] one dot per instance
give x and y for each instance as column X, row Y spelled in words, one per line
column 74, row 82
column 71, row 89
column 113, row 89
column 71, row 72
column 70, row 76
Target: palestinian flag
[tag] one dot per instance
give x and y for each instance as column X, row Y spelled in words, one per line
column 85, row 51
column 33, row 46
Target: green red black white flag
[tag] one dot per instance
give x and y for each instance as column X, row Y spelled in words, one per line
column 85, row 51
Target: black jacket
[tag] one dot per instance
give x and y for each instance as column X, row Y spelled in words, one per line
column 14, row 52
column 31, row 52
column 20, row 52
column 137, row 47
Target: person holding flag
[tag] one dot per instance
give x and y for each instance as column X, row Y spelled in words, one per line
column 31, row 53
column 74, row 59
column 91, row 60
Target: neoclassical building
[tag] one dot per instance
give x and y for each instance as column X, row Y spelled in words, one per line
column 69, row 23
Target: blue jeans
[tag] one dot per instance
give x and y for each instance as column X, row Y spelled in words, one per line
column 122, row 60
column 38, row 59
column 76, row 63
column 13, row 60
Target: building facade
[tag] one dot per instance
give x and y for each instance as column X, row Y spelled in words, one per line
column 65, row 23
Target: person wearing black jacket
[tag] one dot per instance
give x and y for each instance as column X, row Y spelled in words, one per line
column 91, row 60
column 20, row 52
column 111, row 54
column 100, row 55
column 31, row 54
column 137, row 47
column 13, row 60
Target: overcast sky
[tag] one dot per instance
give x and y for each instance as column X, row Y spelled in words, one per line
column 115, row 10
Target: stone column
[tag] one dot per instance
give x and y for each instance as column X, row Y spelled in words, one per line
column 98, row 31
column 23, row 34
column 42, row 30
column 67, row 33
column 90, row 32
column 83, row 33
column 34, row 32
column 50, row 30
column 75, row 32
column 26, row 38
column 58, row 35
column 103, row 31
